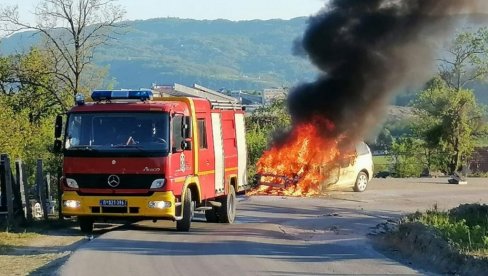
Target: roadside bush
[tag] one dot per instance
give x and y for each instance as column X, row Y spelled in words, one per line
column 406, row 157
column 257, row 141
column 465, row 227
column 473, row 214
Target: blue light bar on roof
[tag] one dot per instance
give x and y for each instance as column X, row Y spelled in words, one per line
column 107, row 95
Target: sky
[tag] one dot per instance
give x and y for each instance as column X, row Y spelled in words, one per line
column 200, row 9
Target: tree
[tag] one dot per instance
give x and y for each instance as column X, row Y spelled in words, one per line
column 406, row 157
column 71, row 30
column 384, row 140
column 28, row 109
column 466, row 59
column 29, row 85
column 448, row 122
column 449, row 118
column 261, row 125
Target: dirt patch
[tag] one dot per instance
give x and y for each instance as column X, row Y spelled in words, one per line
column 37, row 253
column 424, row 246
column 42, row 247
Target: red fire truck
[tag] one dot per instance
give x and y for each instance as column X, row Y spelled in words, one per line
column 129, row 155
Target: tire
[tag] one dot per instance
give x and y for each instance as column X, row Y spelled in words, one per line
column 361, row 182
column 227, row 212
column 86, row 224
column 211, row 215
column 184, row 224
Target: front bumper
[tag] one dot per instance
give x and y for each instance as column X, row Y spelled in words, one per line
column 137, row 206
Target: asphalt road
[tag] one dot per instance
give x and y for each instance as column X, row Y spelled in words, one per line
column 275, row 235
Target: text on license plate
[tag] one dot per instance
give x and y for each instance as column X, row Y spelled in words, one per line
column 113, row 202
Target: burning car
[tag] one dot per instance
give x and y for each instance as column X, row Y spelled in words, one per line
column 350, row 168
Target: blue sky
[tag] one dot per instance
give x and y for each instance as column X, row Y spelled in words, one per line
column 201, row 9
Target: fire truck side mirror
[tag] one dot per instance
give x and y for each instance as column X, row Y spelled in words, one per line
column 57, row 146
column 186, row 128
column 58, row 127
column 186, row 144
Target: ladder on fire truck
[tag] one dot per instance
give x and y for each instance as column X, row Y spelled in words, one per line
column 228, row 105
column 216, row 99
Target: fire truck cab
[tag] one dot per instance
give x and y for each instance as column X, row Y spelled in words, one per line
column 129, row 155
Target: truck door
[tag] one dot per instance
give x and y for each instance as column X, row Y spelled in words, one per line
column 206, row 160
column 181, row 159
column 218, row 152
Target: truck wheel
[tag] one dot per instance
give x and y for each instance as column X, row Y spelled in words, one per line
column 211, row 215
column 184, row 224
column 227, row 212
column 86, row 224
column 361, row 182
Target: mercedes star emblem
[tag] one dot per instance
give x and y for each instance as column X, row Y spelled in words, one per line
column 113, row 181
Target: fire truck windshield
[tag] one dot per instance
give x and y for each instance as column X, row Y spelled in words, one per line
column 118, row 132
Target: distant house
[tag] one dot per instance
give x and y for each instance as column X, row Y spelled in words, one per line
column 478, row 163
column 271, row 94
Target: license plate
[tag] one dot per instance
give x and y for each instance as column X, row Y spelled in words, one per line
column 113, row 203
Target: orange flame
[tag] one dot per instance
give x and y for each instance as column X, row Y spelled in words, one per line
column 295, row 168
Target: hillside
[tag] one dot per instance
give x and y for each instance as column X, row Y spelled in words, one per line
column 215, row 53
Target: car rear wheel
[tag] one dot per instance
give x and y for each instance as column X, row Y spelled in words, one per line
column 361, row 182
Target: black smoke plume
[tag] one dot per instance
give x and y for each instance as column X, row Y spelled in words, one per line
column 368, row 49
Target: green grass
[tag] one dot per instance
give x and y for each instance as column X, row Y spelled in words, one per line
column 465, row 227
column 481, row 141
column 381, row 164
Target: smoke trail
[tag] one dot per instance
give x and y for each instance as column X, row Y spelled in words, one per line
column 366, row 50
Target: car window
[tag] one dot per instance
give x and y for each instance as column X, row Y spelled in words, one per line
column 362, row 149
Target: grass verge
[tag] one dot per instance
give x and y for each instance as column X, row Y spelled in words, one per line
column 464, row 227
column 452, row 242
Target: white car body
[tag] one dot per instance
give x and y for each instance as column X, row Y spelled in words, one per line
column 354, row 174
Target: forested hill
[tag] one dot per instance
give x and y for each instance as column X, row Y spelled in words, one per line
column 218, row 54
column 215, row 53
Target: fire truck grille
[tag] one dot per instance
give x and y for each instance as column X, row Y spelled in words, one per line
column 121, row 181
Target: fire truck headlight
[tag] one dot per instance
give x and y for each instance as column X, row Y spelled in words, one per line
column 71, row 183
column 159, row 204
column 71, row 203
column 158, row 183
